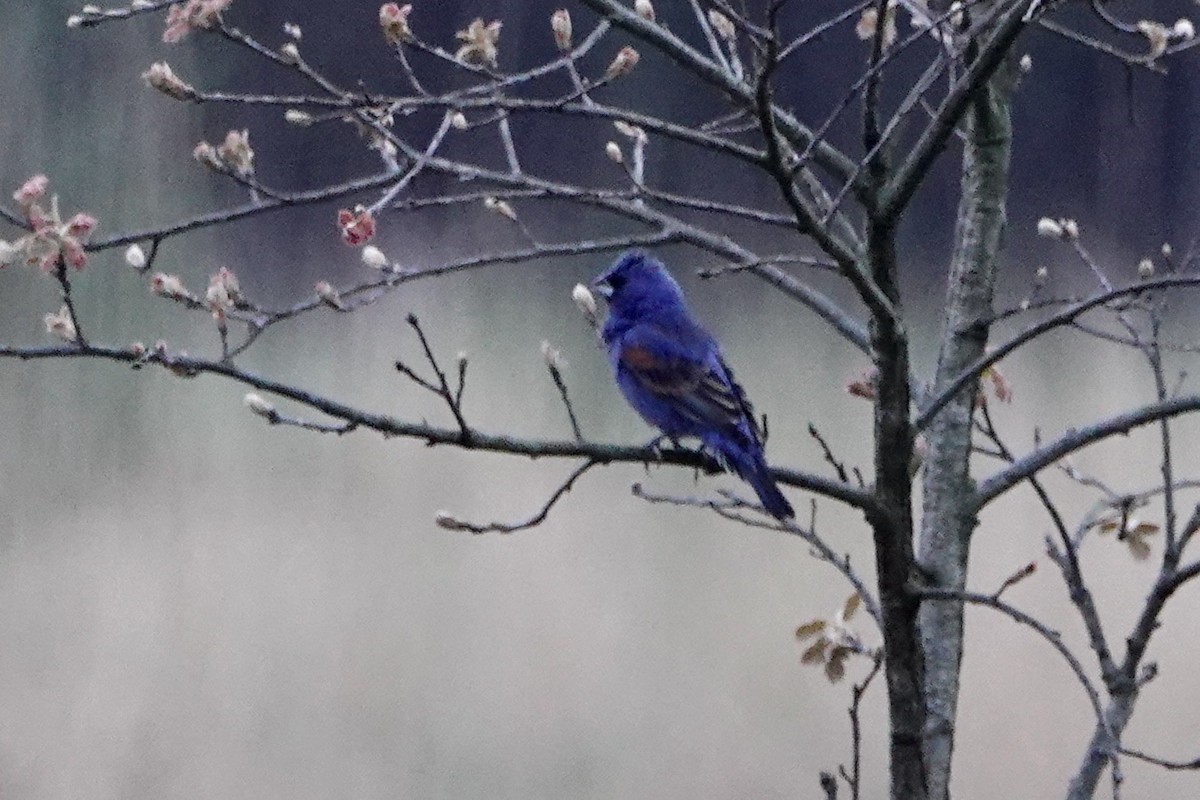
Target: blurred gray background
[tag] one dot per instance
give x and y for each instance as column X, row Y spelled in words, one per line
column 195, row 605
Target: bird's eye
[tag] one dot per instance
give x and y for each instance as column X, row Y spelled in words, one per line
column 616, row 281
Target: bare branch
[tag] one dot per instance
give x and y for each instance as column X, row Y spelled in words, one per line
column 1064, row 317
column 432, row 435
column 1004, row 480
column 1052, row 637
column 453, row 523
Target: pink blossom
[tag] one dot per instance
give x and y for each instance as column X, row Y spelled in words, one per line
column 183, row 19
column 357, row 226
column 81, row 225
column 73, row 253
column 31, row 190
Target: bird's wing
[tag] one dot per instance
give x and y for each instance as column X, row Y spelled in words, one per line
column 688, row 371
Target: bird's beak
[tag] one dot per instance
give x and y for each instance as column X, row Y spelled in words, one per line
column 603, row 288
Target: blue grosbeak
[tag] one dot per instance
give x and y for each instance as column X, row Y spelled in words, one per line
column 671, row 371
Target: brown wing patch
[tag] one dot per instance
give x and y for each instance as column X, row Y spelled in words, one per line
column 640, row 358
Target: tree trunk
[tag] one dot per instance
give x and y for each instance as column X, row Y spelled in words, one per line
column 948, row 518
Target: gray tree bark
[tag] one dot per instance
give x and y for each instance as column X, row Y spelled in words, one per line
column 948, row 516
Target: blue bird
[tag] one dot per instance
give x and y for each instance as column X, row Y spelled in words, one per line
column 671, row 371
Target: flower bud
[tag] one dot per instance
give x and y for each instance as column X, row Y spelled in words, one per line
column 329, row 295
column 458, row 121
column 293, row 30
column 393, row 21
column 624, row 62
column 260, row 405
column 294, row 116
column 551, row 356
column 500, row 207
column 165, row 285
column 586, row 303
column 160, row 77
column 61, row 325
column 1025, row 64
column 1145, row 269
column 560, row 25
column 644, row 9
column 1183, row 29
column 206, row 154
column 290, row 53
column 613, row 151
column 10, row 253
column 357, row 226
column 80, row 226
column 237, row 152
column 1070, row 229
column 1166, row 250
column 1039, row 277
column 374, row 258
column 1049, row 228
column 135, row 257
column 722, row 25
column 31, row 190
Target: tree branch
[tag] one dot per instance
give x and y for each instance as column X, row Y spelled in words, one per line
column 432, row 435
column 1074, row 440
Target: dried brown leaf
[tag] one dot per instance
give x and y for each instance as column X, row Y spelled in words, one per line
column 853, row 602
column 810, row 629
column 815, row 653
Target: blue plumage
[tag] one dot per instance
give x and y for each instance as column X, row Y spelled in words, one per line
column 671, row 371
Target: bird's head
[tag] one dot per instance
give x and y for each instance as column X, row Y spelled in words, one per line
column 637, row 282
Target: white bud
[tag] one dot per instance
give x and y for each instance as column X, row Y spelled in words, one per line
column 294, row 116
column 1183, row 29
column 293, row 30
column 290, row 53
column 622, row 64
column 328, row 295
column 613, row 151
column 374, row 258
column 1145, row 268
column 61, row 326
column 74, row 21
column 1039, row 277
column 1167, row 250
column 1026, row 64
column 586, row 303
column 259, row 405
column 1049, row 228
column 458, row 121
column 560, row 26
column 500, row 207
column 551, row 356
column 9, row 253
column 135, row 257
column 722, row 25
column 1070, row 228
column 644, row 9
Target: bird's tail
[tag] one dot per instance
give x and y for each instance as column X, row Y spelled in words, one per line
column 749, row 465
